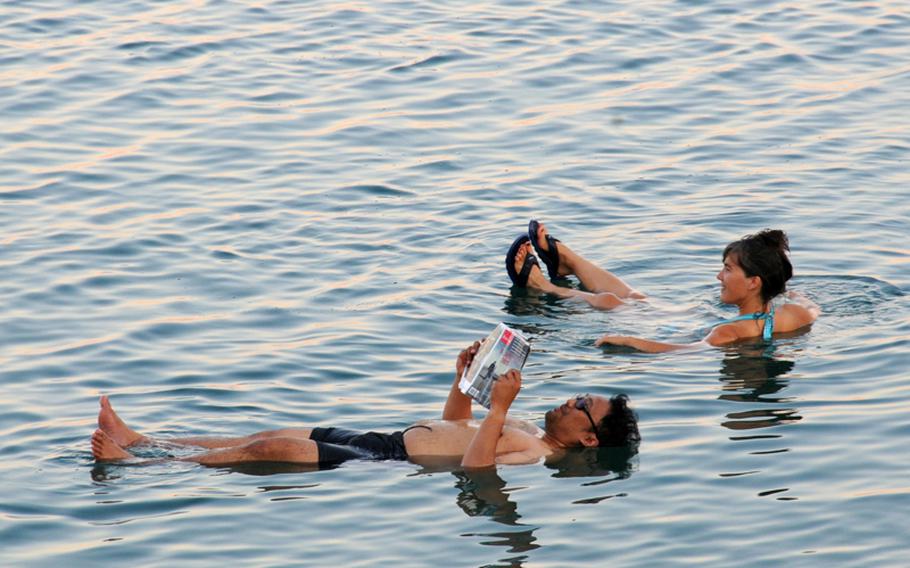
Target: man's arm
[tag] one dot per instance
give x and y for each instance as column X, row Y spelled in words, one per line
column 481, row 451
column 458, row 405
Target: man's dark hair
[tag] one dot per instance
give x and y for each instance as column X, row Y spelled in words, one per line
column 620, row 426
column 764, row 255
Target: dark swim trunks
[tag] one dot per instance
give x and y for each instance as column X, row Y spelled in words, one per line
column 338, row 444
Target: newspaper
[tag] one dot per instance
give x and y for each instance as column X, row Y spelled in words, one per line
column 502, row 350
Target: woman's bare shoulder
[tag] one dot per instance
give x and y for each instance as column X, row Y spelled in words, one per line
column 795, row 316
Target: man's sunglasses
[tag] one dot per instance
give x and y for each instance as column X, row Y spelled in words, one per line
column 583, row 402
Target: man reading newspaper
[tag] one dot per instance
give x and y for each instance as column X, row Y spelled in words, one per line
column 584, row 420
column 504, row 349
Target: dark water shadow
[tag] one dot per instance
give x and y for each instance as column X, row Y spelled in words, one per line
column 523, row 302
column 275, row 468
column 104, row 473
column 753, row 374
column 608, row 463
column 483, row 493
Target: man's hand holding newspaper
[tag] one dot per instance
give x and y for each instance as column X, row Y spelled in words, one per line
column 503, row 349
column 465, row 358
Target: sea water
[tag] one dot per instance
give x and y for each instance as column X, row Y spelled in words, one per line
column 234, row 216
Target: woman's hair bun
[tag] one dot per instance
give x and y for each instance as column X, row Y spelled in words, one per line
column 774, row 238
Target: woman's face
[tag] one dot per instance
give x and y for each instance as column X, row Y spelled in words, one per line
column 735, row 286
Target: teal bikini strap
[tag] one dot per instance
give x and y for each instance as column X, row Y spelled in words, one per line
column 769, row 324
column 767, row 316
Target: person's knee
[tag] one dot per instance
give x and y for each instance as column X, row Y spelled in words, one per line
column 301, row 433
column 607, row 300
column 268, row 434
column 267, row 449
column 279, row 449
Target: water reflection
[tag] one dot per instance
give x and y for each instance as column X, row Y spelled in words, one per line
column 483, row 493
column 611, row 463
column 754, row 375
column 530, row 302
column 274, row 468
column 104, row 473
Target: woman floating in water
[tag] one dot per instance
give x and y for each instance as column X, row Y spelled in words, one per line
column 755, row 271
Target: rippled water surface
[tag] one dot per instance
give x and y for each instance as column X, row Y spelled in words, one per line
column 239, row 216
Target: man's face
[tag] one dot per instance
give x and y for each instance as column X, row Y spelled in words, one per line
column 569, row 423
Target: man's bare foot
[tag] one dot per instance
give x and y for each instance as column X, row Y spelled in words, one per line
column 106, row 449
column 114, row 427
column 536, row 279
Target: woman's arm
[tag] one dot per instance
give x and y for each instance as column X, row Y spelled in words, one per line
column 645, row 345
column 720, row 335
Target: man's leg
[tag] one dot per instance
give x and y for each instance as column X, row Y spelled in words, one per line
column 215, row 442
column 289, row 450
column 124, row 437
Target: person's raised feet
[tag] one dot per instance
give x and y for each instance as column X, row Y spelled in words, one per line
column 106, row 449
column 536, row 279
column 557, row 257
column 115, row 427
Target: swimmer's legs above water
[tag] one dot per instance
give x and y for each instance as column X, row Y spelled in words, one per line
column 110, row 423
column 278, row 449
column 606, row 290
column 592, row 277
